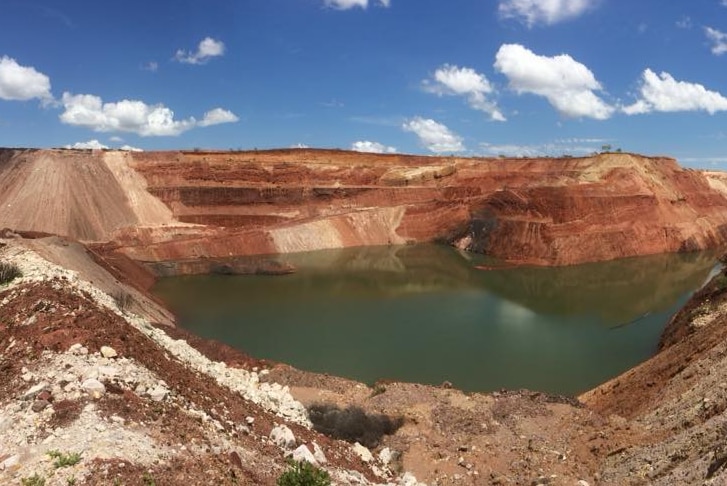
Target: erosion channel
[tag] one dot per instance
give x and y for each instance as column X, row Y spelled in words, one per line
column 426, row 314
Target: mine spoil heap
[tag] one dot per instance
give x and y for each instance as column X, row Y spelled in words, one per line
column 99, row 387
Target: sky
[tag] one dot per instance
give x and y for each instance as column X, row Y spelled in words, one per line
column 435, row 77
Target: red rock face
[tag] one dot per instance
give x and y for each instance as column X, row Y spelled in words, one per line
column 160, row 206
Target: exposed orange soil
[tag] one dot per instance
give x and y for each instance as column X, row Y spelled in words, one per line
column 169, row 206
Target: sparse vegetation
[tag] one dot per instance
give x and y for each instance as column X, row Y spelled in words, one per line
column 123, row 300
column 302, row 473
column 378, row 389
column 720, row 282
column 352, row 424
column 34, row 480
column 71, row 481
column 64, row 460
column 9, row 272
column 148, row 479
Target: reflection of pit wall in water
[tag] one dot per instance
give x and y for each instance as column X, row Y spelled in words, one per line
column 424, row 314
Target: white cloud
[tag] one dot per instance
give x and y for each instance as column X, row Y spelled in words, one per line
column 116, row 138
column 132, row 116
column 151, row 66
column 96, row 145
column 347, row 4
column 719, row 40
column 22, row 82
column 685, row 22
column 207, row 49
column 299, row 146
column 570, row 146
column 129, row 148
column 372, row 147
column 457, row 81
column 548, row 12
column 434, row 136
column 91, row 144
column 567, row 84
column 218, row 116
column 664, row 93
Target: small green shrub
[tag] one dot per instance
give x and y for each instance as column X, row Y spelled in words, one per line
column 720, row 282
column 148, row 479
column 9, row 272
column 303, row 473
column 64, row 460
column 123, row 300
column 34, row 480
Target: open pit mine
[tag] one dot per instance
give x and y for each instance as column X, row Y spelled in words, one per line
column 99, row 387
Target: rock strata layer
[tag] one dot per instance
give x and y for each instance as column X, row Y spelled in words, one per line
column 204, row 206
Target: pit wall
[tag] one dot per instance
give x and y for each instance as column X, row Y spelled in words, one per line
column 175, row 206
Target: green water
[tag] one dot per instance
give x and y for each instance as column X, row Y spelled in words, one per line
column 425, row 314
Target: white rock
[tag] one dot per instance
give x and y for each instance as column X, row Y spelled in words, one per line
column 282, row 436
column 158, row 394
column 109, row 371
column 250, row 420
column 93, row 387
column 10, row 462
column 78, row 349
column 408, row 479
column 34, row 390
column 302, row 453
column 386, row 456
column 363, row 452
column 583, row 482
column 318, row 454
column 108, row 352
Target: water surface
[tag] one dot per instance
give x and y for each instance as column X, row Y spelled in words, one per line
column 425, row 314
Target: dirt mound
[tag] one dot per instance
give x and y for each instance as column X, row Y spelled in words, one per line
column 83, row 194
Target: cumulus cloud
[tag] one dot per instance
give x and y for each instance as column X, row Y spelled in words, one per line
column 570, row 146
column 133, row 116
column 91, row 144
column 457, row 81
column 433, row 135
column 22, row 82
column 718, row 40
column 206, row 50
column 372, row 147
column 347, row 4
column 129, row 148
column 96, row 145
column 685, row 22
column 663, row 93
column 548, row 12
column 218, row 116
column 568, row 85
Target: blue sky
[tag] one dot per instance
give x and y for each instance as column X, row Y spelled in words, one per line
column 471, row 77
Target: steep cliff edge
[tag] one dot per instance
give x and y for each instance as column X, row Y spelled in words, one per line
column 162, row 206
